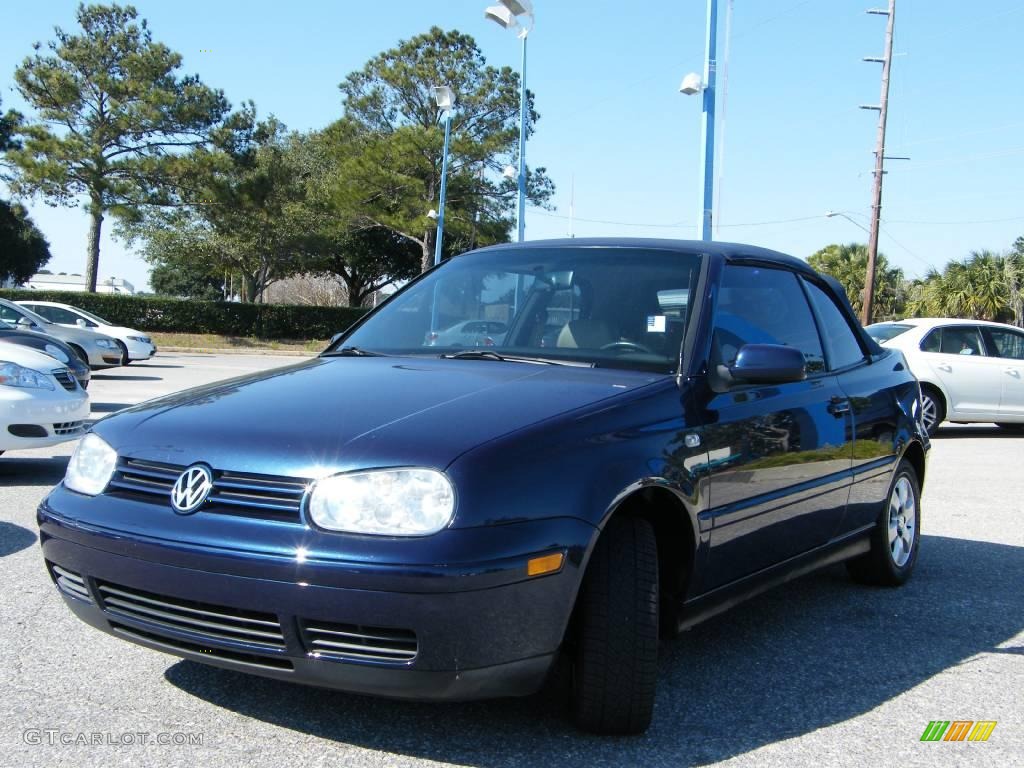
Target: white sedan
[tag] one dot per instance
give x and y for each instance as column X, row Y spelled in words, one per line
column 970, row 370
column 135, row 344
column 41, row 403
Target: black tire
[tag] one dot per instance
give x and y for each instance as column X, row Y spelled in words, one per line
column 124, row 353
column 81, row 353
column 881, row 565
column 616, row 662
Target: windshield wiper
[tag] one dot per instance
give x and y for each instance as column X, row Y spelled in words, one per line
column 486, row 354
column 352, row 352
column 474, row 354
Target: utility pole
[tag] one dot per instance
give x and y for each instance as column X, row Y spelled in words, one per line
column 707, row 124
column 879, row 172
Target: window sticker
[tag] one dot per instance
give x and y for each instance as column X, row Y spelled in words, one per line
column 655, row 323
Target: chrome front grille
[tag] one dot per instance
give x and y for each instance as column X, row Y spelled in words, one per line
column 70, row 583
column 69, row 428
column 206, row 622
column 233, row 492
column 352, row 642
column 63, row 375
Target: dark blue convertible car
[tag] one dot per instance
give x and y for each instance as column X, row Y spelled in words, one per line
column 660, row 430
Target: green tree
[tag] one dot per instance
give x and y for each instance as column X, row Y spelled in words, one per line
column 849, row 265
column 238, row 211
column 390, row 143
column 23, row 249
column 113, row 116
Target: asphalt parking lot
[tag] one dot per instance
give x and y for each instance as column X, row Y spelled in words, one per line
column 819, row 672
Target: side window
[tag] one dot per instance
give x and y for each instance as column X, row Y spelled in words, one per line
column 933, row 341
column 8, row 315
column 961, row 340
column 764, row 306
column 844, row 349
column 58, row 315
column 1005, row 343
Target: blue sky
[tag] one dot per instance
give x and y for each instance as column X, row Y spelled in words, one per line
column 606, row 75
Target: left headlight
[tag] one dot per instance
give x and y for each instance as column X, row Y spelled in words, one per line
column 140, row 339
column 91, row 466
column 389, row 502
column 14, row 375
column 105, row 344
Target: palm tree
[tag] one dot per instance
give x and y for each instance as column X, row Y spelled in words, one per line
column 849, row 265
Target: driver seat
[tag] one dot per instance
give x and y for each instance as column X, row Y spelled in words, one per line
column 584, row 334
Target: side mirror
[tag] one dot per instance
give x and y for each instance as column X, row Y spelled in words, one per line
column 81, row 323
column 24, row 322
column 768, row 364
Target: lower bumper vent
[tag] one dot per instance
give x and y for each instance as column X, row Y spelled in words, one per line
column 352, row 642
column 70, row 583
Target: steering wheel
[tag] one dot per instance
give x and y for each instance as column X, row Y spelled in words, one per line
column 627, row 346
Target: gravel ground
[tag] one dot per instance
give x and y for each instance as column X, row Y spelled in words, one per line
column 819, row 672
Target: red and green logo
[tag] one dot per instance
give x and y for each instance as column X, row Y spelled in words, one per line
column 958, row 730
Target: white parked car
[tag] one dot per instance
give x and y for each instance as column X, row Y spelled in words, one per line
column 41, row 403
column 136, row 345
column 470, row 333
column 970, row 370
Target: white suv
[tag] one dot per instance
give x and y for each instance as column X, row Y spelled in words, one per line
column 970, row 370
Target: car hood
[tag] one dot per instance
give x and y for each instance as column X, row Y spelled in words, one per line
column 331, row 415
column 28, row 357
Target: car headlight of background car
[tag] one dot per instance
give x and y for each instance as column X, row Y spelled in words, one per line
column 56, row 353
column 105, row 344
column 14, row 375
column 91, row 466
column 140, row 339
column 389, row 502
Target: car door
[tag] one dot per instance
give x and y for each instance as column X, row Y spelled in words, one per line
column 1007, row 346
column 874, row 403
column 781, row 476
column 972, row 380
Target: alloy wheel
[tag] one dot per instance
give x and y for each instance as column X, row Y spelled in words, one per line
column 902, row 521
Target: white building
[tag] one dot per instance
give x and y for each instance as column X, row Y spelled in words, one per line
column 65, row 282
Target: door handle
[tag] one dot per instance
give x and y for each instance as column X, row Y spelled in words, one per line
column 1013, row 372
column 838, row 406
column 945, row 367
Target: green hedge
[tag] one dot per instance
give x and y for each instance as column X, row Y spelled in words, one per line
column 264, row 321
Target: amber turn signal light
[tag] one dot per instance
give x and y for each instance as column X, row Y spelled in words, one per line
column 538, row 566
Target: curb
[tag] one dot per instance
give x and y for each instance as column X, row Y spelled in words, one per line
column 254, row 351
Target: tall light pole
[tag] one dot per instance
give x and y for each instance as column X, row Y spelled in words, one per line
column 445, row 99
column 507, row 15
column 692, row 84
column 879, row 171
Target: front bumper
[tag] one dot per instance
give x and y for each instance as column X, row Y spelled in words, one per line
column 61, row 414
column 483, row 630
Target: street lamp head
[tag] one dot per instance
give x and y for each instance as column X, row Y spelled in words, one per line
column 510, row 172
column 501, row 16
column 518, row 7
column 691, row 84
column 444, row 96
column 431, row 214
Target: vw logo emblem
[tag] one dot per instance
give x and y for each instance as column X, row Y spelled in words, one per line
column 191, row 489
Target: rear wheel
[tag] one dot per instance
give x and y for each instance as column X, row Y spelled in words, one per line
column 933, row 409
column 896, row 536
column 615, row 666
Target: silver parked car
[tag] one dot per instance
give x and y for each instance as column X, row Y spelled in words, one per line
column 97, row 350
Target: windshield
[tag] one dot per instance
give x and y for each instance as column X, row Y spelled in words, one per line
column 884, row 331
column 608, row 307
column 89, row 315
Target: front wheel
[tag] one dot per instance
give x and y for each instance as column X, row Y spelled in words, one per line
column 896, row 537
column 615, row 668
column 124, row 353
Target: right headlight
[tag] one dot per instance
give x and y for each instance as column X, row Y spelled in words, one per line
column 388, row 502
column 14, row 375
column 91, row 466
